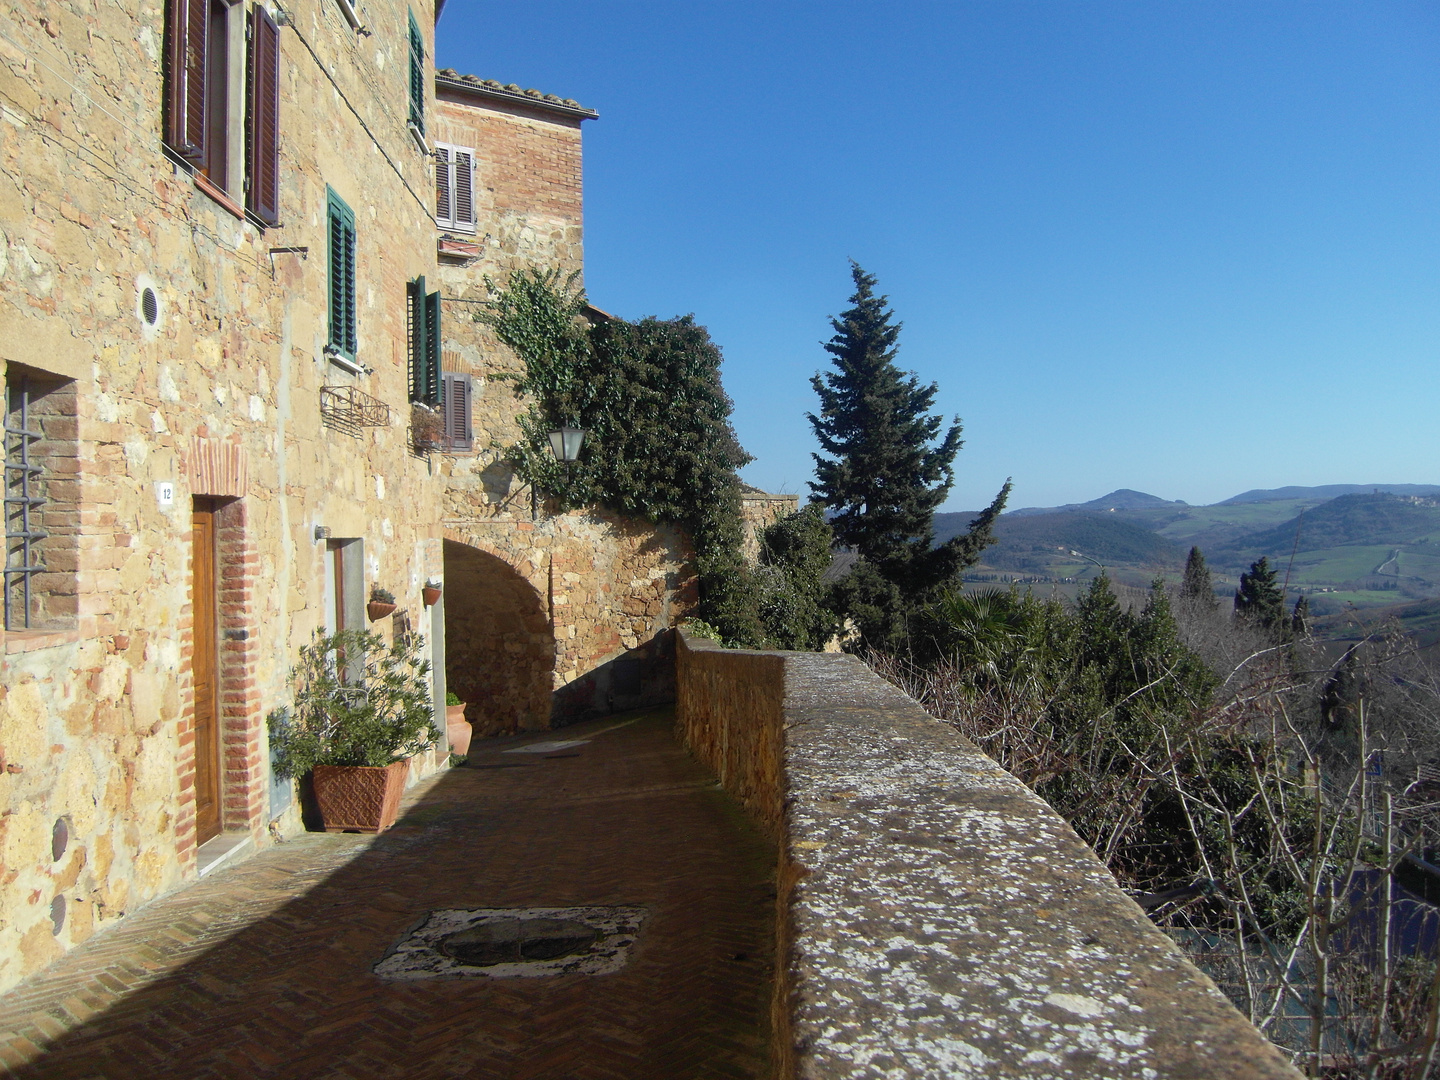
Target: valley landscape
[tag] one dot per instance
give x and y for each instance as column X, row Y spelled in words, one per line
column 1359, row 553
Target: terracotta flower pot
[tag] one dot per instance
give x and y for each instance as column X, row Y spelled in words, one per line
column 378, row 609
column 430, row 596
column 457, row 729
column 359, row 798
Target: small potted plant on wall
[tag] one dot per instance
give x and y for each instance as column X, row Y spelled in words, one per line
column 382, row 603
column 427, row 429
column 430, row 592
column 362, row 709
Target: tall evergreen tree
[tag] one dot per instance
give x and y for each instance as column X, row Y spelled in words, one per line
column 1258, row 597
column 1196, row 586
column 1300, row 620
column 882, row 474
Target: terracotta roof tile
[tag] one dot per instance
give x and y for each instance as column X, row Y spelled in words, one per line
column 511, row 90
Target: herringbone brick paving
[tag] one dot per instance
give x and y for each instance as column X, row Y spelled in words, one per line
column 264, row 970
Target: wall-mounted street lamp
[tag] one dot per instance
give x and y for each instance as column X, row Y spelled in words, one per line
column 565, row 444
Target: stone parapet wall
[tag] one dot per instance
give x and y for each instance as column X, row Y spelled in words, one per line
column 936, row 917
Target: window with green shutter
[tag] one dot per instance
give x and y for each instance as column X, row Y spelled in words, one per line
column 425, row 385
column 342, row 276
column 417, row 76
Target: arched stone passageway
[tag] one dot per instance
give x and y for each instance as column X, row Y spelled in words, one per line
column 499, row 648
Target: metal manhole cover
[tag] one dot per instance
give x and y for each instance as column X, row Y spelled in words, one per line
column 502, row 943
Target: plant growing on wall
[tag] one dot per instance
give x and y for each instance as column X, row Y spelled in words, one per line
column 658, row 440
column 357, row 701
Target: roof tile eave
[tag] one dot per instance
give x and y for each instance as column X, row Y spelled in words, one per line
column 451, row 79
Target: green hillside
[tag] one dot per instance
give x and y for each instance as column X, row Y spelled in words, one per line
column 1038, row 543
column 1350, row 520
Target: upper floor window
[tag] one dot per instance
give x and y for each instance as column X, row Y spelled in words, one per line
column 342, row 276
column 455, row 187
column 222, row 99
column 417, row 76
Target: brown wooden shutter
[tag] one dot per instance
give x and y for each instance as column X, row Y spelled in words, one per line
column 186, row 45
column 464, row 168
column 263, row 197
column 444, row 212
column 458, row 433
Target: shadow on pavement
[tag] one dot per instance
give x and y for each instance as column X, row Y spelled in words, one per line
column 278, row 980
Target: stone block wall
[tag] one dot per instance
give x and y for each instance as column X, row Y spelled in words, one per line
column 936, row 918
column 759, row 510
column 96, row 700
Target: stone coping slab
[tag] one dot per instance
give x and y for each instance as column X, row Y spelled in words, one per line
column 943, row 920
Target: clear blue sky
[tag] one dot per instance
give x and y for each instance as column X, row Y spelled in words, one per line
column 1188, row 248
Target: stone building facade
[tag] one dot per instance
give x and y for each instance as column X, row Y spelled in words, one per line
column 582, row 600
column 224, row 232
column 192, row 485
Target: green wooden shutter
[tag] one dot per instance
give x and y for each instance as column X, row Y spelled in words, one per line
column 417, row 75
column 342, row 276
column 433, row 394
column 424, row 309
column 419, row 353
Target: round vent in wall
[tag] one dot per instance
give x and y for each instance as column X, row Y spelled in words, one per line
column 149, row 307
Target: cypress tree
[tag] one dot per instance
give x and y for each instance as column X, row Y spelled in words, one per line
column 1196, row 586
column 882, row 474
column 1300, row 620
column 1258, row 597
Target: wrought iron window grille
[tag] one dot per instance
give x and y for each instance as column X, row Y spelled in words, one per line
column 22, row 498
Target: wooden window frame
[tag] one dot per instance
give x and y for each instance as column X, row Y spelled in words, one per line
column 222, row 102
column 455, row 187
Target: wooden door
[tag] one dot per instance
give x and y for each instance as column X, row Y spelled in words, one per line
column 204, row 668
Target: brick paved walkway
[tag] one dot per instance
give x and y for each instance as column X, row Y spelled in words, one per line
column 263, row 970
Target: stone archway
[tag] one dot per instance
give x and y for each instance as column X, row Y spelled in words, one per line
column 499, row 648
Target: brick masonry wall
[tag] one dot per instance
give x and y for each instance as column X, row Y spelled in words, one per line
column 95, row 709
column 935, row 916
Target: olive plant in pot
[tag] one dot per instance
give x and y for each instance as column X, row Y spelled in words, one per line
column 361, row 710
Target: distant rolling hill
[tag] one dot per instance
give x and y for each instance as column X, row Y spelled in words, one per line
column 1327, row 491
column 1032, row 542
column 1122, row 499
column 1350, row 519
column 1360, row 545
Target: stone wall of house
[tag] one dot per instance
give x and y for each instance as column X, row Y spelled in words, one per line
column 220, row 397
column 910, row 861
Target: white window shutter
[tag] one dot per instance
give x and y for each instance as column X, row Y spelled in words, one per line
column 444, row 187
column 463, row 167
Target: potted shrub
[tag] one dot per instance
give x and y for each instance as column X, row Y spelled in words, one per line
column 457, row 728
column 427, row 429
column 362, row 709
column 430, row 592
column 382, row 603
